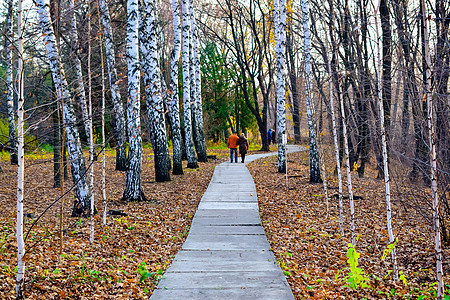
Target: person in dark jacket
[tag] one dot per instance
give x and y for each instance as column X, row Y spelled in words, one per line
column 274, row 137
column 243, row 146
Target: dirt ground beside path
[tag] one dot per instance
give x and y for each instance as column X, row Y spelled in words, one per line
column 308, row 246
column 144, row 242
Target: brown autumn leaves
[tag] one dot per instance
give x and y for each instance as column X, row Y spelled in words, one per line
column 305, row 240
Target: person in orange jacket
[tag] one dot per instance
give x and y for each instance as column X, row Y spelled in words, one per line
column 233, row 144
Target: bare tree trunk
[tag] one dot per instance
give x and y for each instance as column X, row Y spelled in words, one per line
column 381, row 101
column 10, row 84
column 293, row 82
column 89, row 121
column 280, row 45
column 133, row 187
column 199, row 137
column 187, row 101
column 174, row 110
column 21, row 160
column 103, row 118
column 119, row 117
column 349, row 175
column 432, row 145
column 152, row 79
column 314, row 175
column 79, row 92
column 78, row 167
column 335, row 136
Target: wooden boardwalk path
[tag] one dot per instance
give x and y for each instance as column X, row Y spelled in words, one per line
column 226, row 254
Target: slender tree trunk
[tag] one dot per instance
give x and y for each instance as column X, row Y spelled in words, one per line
column 441, row 76
column 200, row 144
column 174, row 110
column 57, row 157
column 79, row 92
column 153, row 97
column 78, row 167
column 133, row 188
column 192, row 160
column 349, row 175
column 335, row 135
column 119, row 117
column 89, row 121
column 314, row 176
column 293, row 82
column 381, row 100
column 280, row 45
column 102, row 64
column 10, row 84
column 432, row 153
column 21, row 160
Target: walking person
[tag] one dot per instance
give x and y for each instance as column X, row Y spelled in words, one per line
column 243, row 146
column 233, row 144
column 269, row 135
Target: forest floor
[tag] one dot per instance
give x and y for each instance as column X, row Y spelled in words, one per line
column 132, row 252
column 305, row 236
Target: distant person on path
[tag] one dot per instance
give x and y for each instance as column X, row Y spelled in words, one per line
column 233, row 144
column 269, row 135
column 274, row 135
column 243, row 146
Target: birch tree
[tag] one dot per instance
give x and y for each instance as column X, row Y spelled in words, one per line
column 349, row 175
column 89, row 121
column 197, row 116
column 133, row 189
column 173, row 106
column 387, row 182
column 280, row 45
column 152, row 83
column 314, row 175
column 77, row 163
column 102, row 65
column 432, row 147
column 187, row 102
column 10, row 84
column 21, row 159
column 80, row 92
column 119, row 117
column 335, row 136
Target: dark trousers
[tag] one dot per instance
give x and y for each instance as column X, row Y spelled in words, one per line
column 233, row 150
column 243, row 157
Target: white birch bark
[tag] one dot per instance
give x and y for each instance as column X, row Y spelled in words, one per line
column 173, row 105
column 133, row 190
column 349, row 175
column 313, row 153
column 280, row 45
column 155, row 105
column 119, row 117
column 21, row 160
column 10, row 84
column 78, row 167
column 102, row 64
column 387, row 182
column 89, row 121
column 187, row 102
column 80, row 92
column 197, row 100
column 433, row 169
column 336, row 144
